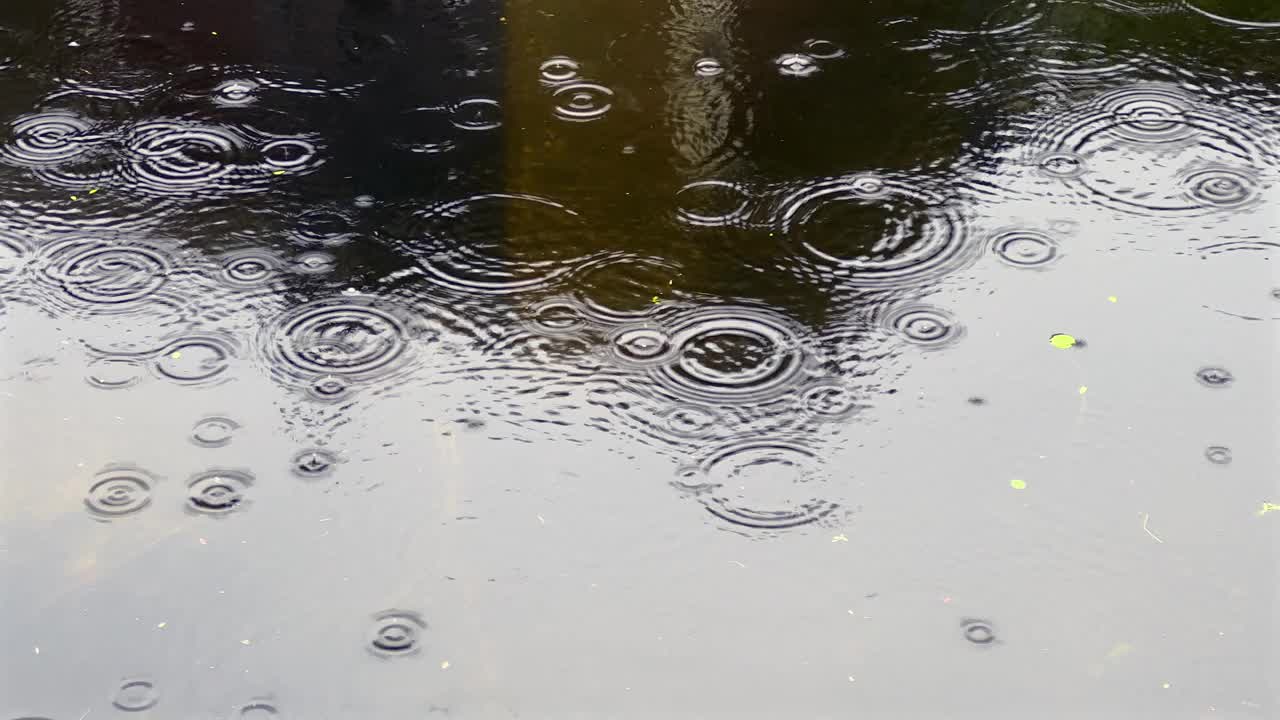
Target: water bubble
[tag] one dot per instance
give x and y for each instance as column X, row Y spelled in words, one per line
column 235, row 93
column 353, row 337
column 829, row 400
column 730, row 354
column 396, row 633
column 45, row 138
column 874, row 231
column 497, row 243
column 711, row 203
column 924, row 325
column 1218, row 455
column 249, row 268
column 1061, row 165
column 114, row 374
column 103, row 273
column 218, row 491
column 1219, row 187
column 118, row 491
column 476, row 114
column 136, row 695
column 315, row 263
column 641, row 346
column 823, row 49
column 557, row 316
column 1215, row 377
column 582, row 101
column 978, row 632
column 314, row 463
column 196, row 360
column 557, row 70
column 214, row 432
column 1025, row 248
column 796, row 64
column 762, row 485
column 707, row 67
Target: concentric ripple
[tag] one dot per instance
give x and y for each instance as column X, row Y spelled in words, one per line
column 796, row 64
column 621, row 289
column 642, row 346
column 476, row 114
column 761, row 485
column 497, row 243
column 582, row 101
column 103, row 273
column 214, row 432
column 119, row 491
column 923, row 325
column 872, row 231
column 218, row 491
column 114, row 373
column 1220, row 187
column 315, row 463
column 830, row 400
column 1025, row 248
column 978, row 632
column 176, row 157
column 727, row 354
column 1218, row 455
column 556, row 316
column 1244, row 14
column 45, row 138
column 1215, row 377
column 396, row 633
column 347, row 338
column 201, row 359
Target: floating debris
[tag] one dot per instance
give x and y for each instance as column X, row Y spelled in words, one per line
column 1017, row 484
column 1062, row 341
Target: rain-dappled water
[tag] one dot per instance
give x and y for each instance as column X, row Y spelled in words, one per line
column 412, row 358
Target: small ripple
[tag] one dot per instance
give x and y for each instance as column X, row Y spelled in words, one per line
column 713, row 203
column 315, row 463
column 235, row 93
column 325, row 226
column 196, row 359
column 177, row 157
column 315, row 263
column 873, row 231
column 641, row 347
column 830, row 400
column 136, row 695
column 1220, row 187
column 796, row 65
column 707, row 67
column 1215, row 377
column 556, row 316
column 1253, row 293
column 46, row 138
column 923, row 325
column 1218, row 455
column 396, row 633
column 823, row 49
column 497, row 243
column 558, row 70
column 476, row 114
column 329, row 389
column 259, row 709
column 621, row 289
column 214, row 432
column 727, row 354
column 690, row 421
column 218, row 491
column 978, row 632
column 249, row 268
column 289, row 153
column 114, row 374
column 119, row 491
column 351, row 337
column 582, row 101
column 1025, row 248
column 760, row 485
column 14, row 255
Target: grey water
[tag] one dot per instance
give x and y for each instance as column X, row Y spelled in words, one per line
column 405, row 359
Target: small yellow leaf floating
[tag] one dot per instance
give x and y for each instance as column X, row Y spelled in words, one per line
column 1084, row 389
column 278, row 172
column 74, row 197
column 656, row 300
column 177, row 355
column 1112, row 298
column 839, row 538
column 1018, row 484
column 1062, row 341
column 93, row 191
column 1268, row 507
column 444, row 664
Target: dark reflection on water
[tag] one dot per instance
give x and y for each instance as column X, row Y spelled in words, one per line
column 616, row 345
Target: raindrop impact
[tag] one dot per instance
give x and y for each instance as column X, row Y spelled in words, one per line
column 119, row 491
column 396, row 633
column 135, row 695
column 214, row 432
column 218, row 491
